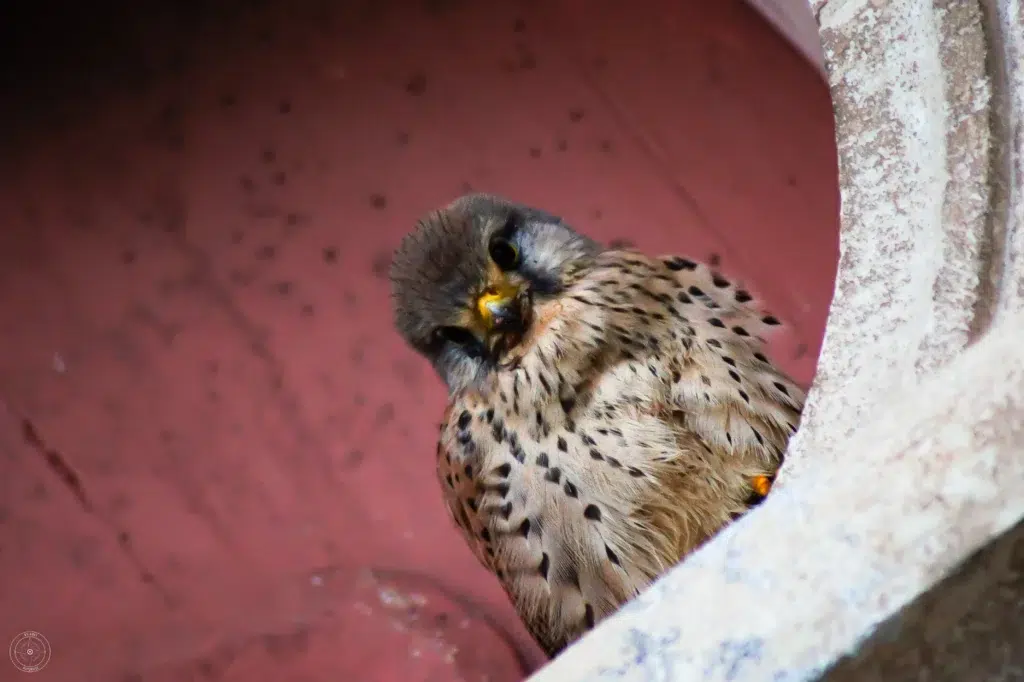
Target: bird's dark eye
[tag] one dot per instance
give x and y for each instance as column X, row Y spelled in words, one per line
column 504, row 254
column 457, row 335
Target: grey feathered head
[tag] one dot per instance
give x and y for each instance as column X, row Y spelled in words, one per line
column 466, row 279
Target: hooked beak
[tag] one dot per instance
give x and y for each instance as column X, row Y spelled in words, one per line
column 502, row 310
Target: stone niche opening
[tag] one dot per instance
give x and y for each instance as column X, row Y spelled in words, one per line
column 893, row 546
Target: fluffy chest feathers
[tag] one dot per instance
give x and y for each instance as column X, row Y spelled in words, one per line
column 629, row 430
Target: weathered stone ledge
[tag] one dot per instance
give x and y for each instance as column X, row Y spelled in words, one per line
column 893, row 547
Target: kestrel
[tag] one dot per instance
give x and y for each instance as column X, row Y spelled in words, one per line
column 608, row 413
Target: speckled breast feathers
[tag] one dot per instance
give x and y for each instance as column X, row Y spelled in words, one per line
column 638, row 417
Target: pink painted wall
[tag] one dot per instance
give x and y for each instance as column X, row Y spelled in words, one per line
column 216, row 455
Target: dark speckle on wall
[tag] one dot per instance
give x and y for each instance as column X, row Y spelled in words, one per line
column 353, row 458
column 266, row 252
column 417, row 84
column 385, row 413
column 294, row 220
column 287, row 645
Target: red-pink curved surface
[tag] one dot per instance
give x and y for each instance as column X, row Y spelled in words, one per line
column 217, row 457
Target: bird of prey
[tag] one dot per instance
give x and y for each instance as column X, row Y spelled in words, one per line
column 608, row 412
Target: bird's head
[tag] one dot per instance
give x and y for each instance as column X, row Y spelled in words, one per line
column 466, row 280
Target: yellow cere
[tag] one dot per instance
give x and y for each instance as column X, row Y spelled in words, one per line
column 493, row 295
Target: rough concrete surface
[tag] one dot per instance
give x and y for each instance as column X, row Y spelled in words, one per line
column 908, row 459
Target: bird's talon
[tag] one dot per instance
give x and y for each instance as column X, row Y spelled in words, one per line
column 762, row 485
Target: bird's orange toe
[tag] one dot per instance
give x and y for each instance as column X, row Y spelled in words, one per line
column 762, row 485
